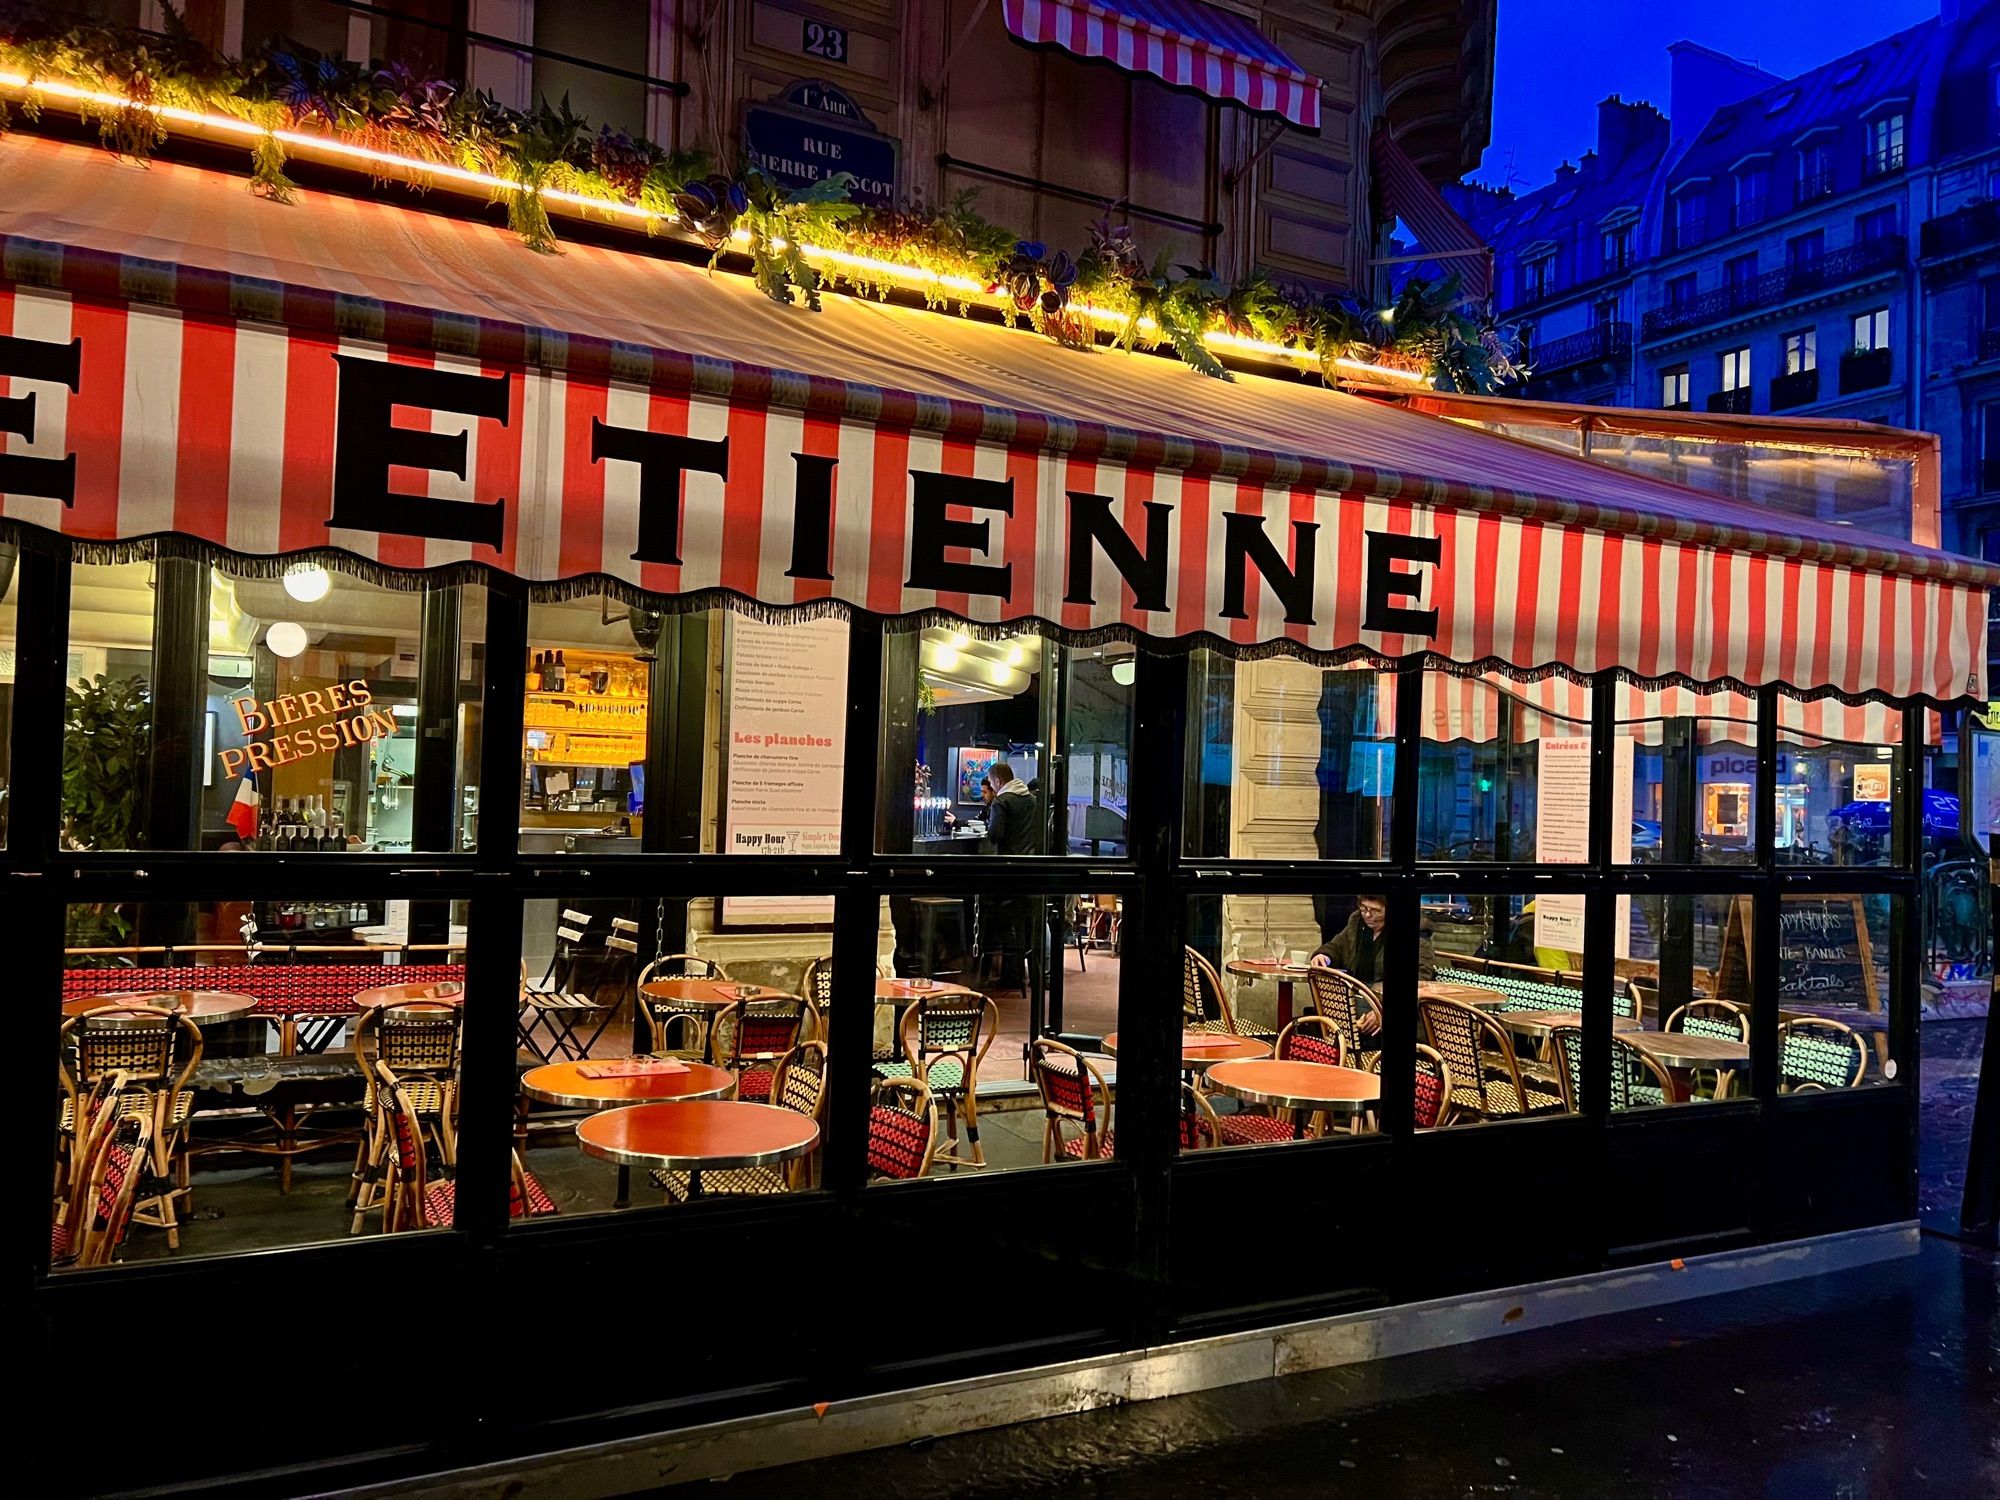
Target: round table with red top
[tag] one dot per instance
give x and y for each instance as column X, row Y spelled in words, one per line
column 567, row 1084
column 202, row 1006
column 1309, row 1088
column 710, row 992
column 1204, row 1049
column 1465, row 994
column 909, row 991
column 449, row 992
column 1286, row 974
column 698, row 1135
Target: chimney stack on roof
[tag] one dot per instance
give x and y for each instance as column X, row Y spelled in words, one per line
column 1624, row 128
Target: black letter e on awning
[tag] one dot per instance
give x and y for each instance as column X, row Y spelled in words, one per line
column 366, row 444
column 1386, row 581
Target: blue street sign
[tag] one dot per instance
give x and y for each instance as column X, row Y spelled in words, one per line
column 813, row 131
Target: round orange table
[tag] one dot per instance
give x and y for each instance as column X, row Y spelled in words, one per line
column 909, row 991
column 565, row 1084
column 699, row 1135
column 450, row 992
column 713, row 992
column 1464, row 994
column 212, row 1006
column 1204, row 1049
column 1310, row 1088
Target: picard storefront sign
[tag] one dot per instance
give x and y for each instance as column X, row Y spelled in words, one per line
column 814, row 131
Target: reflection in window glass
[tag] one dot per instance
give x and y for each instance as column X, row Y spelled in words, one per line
column 1837, row 786
column 1004, row 744
column 1505, row 770
column 1681, row 1017
column 1292, row 761
column 1280, row 1036
column 245, row 1074
column 1689, row 761
column 1834, row 995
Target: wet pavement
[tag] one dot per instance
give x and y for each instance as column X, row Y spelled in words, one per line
column 1876, row 1382
column 1950, row 1090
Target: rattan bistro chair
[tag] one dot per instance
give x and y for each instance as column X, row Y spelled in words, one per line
column 1637, row 1079
column 1815, row 1054
column 673, row 1028
column 749, row 1038
column 419, row 1044
column 1074, row 1095
column 902, row 1129
column 801, row 1088
column 412, row 1197
column 817, row 987
column 1344, row 1000
column 1487, row 1080
column 945, row 1038
column 154, row 1053
column 109, row 1156
column 1200, row 1129
column 1433, row 1093
column 1716, row 1018
column 1205, row 1001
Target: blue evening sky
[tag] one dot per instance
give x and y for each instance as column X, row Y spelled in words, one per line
column 1557, row 58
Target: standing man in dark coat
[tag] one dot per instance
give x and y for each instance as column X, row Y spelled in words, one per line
column 1013, row 826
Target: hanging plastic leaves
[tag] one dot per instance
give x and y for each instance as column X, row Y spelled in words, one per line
column 710, row 207
column 1023, row 275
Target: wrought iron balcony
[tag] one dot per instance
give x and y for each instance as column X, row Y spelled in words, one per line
column 1607, row 341
column 1750, row 211
column 1865, row 369
column 1775, row 287
column 1800, row 388
column 1973, row 227
column 1736, row 402
column 1816, row 185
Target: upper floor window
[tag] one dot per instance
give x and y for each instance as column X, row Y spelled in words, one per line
column 1603, row 311
column 1989, row 304
column 1674, row 387
column 1815, row 171
column 1690, row 219
column 1885, row 143
column 1736, row 369
column 1801, row 351
column 1538, row 277
column 1876, row 224
column 1680, row 290
column 1803, row 250
column 1871, row 330
column 1739, row 271
column 1752, row 184
column 1618, row 247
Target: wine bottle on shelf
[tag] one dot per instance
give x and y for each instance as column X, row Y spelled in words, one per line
column 562, row 674
column 535, row 674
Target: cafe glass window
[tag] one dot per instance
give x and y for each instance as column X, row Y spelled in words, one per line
column 250, row 1073
column 1004, row 743
column 1684, row 778
column 1838, row 787
column 713, row 732
column 1835, row 1001
column 1504, row 772
column 1681, row 1008
column 634, row 1008
column 1499, row 1003
column 287, row 713
column 1289, row 760
column 1284, row 980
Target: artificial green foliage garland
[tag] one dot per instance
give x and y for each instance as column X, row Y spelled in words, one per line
column 1432, row 327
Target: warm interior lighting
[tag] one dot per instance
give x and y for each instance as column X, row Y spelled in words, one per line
column 286, row 639
column 1125, row 671
column 308, row 585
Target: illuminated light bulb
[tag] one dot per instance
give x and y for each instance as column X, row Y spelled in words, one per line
column 959, row 640
column 947, row 658
column 1016, row 655
column 308, row 585
column 1125, row 671
column 286, row 639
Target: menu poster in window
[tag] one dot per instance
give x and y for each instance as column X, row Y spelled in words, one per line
column 1562, row 834
column 1871, row 783
column 784, row 722
column 1624, row 751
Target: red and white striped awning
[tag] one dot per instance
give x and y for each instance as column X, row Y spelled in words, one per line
column 1183, row 42
column 1410, row 196
column 204, row 365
